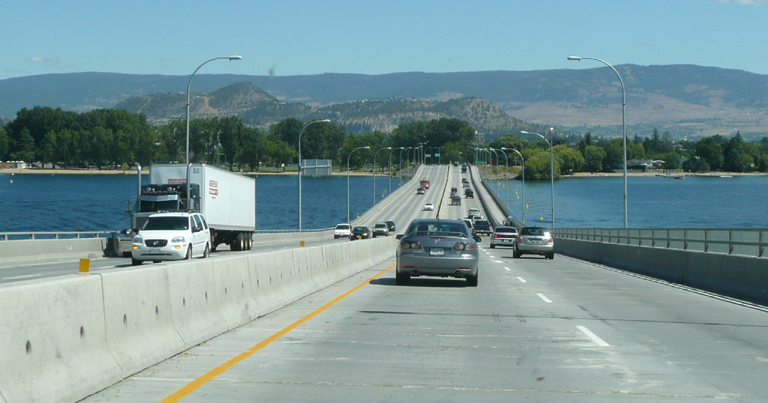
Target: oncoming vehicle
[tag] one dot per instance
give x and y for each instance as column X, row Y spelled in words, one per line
column 391, row 225
column 503, row 236
column 380, row 228
column 429, row 207
column 360, row 233
column 171, row 236
column 342, row 231
column 535, row 241
column 424, row 183
column 440, row 248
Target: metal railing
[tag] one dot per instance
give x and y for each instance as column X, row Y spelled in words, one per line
column 729, row 241
column 11, row 236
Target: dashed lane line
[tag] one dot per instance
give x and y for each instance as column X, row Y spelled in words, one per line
column 544, row 298
column 594, row 337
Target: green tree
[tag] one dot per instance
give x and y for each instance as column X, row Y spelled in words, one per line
column 593, row 159
column 672, row 161
column 734, row 157
column 710, row 152
column 696, row 164
column 568, row 159
column 25, row 147
column 5, row 143
column 537, row 166
column 47, row 150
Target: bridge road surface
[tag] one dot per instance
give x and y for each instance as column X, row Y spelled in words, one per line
column 533, row 330
column 392, row 209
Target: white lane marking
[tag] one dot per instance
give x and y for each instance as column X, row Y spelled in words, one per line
column 507, row 268
column 18, row 277
column 599, row 341
column 492, row 257
column 543, row 297
column 521, row 280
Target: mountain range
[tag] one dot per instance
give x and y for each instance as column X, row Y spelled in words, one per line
column 686, row 100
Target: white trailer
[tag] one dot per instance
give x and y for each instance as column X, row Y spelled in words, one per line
column 226, row 199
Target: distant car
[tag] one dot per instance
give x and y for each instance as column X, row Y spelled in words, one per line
column 503, row 236
column 535, row 241
column 469, row 225
column 342, row 231
column 454, row 191
column 380, row 228
column 455, row 200
column 483, row 227
column 437, row 247
column 469, row 193
column 391, row 225
column 420, row 191
column 429, row 207
column 360, row 233
column 464, row 180
column 466, row 185
column 472, row 211
column 171, row 236
column 475, row 217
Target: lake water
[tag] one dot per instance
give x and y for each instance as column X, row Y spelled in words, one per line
column 36, row 203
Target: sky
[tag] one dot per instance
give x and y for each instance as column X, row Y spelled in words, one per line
column 290, row 37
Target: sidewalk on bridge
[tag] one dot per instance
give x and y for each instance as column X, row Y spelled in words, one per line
column 494, row 212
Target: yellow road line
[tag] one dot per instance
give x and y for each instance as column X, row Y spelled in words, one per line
column 199, row 382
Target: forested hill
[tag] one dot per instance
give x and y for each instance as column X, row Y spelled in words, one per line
column 687, row 100
column 257, row 108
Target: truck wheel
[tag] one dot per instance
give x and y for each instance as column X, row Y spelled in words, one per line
column 249, row 240
column 207, row 251
column 235, row 245
column 189, row 253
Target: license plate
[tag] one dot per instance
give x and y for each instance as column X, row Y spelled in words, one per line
column 436, row 252
column 535, row 240
column 154, row 251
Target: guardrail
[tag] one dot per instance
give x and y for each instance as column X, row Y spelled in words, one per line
column 728, row 241
column 9, row 236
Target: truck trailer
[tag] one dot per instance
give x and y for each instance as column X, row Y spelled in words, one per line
column 226, row 199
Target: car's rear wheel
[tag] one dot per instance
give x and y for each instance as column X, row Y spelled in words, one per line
column 516, row 254
column 401, row 279
column 472, row 280
column 493, row 246
column 550, row 256
column 136, row 262
column 189, row 253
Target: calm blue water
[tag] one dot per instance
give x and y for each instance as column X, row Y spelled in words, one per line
column 37, row 203
column 738, row 202
column 97, row 202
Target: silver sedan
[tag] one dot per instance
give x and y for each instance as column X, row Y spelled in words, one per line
column 440, row 248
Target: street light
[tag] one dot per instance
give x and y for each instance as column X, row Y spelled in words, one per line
column 400, row 169
column 623, row 124
column 189, row 85
column 390, row 165
column 506, row 163
column 522, row 163
column 300, row 167
column 551, row 171
column 350, row 155
column 374, row 172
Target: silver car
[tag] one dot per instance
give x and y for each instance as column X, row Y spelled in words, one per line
column 535, row 241
column 435, row 247
column 503, row 236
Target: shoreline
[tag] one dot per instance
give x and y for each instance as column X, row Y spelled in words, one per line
column 20, row 171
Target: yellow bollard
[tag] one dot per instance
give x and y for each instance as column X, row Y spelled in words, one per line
column 301, row 243
column 85, row 266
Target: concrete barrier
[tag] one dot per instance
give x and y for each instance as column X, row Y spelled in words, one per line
column 68, row 337
column 742, row 277
column 50, row 250
column 138, row 317
column 53, row 343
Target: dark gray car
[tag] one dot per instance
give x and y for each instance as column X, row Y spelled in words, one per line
column 435, row 247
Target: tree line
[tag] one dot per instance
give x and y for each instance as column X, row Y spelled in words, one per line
column 111, row 138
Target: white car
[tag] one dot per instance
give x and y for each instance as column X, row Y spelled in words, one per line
column 429, row 207
column 342, row 231
column 171, row 236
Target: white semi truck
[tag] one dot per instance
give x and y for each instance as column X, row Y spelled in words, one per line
column 226, row 199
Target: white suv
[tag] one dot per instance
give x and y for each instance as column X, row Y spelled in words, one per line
column 342, row 231
column 171, row 236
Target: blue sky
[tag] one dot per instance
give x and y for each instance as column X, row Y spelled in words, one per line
column 288, row 37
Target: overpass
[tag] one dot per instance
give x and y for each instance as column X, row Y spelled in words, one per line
column 327, row 323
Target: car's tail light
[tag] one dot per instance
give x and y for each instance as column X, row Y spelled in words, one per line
column 551, row 240
column 470, row 246
column 520, row 239
column 410, row 245
column 459, row 246
column 495, row 235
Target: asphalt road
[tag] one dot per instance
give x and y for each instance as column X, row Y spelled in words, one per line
column 533, row 330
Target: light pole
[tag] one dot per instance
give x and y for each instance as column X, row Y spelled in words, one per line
column 400, row 169
column 233, row 57
column 551, row 170
column 374, row 172
column 623, row 123
column 522, row 163
column 497, row 157
column 390, row 166
column 300, row 167
column 350, row 155
column 506, row 180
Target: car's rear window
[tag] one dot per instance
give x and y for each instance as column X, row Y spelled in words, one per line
column 342, row 226
column 444, row 229
column 506, row 229
column 482, row 222
column 533, row 231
